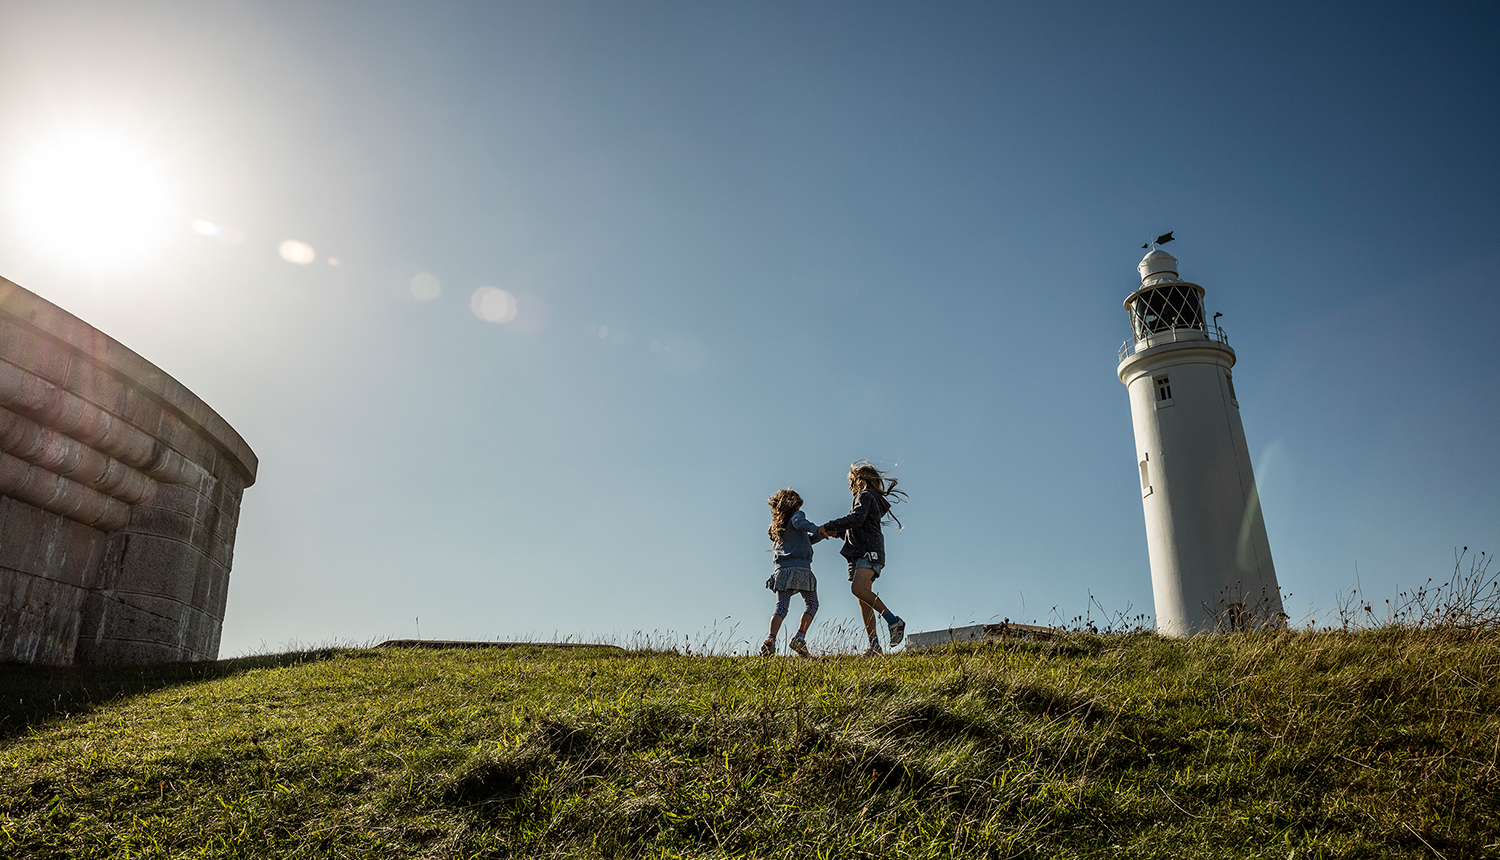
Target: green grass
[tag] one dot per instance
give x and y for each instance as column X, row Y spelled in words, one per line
column 1371, row 744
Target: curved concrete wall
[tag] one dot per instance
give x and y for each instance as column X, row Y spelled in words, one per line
column 119, row 497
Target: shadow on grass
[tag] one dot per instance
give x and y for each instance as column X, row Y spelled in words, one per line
column 32, row 696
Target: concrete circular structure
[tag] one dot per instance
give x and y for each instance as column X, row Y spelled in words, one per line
column 119, row 498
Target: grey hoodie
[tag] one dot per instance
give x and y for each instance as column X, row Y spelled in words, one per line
column 794, row 550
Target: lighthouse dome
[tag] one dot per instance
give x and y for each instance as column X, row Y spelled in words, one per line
column 1157, row 267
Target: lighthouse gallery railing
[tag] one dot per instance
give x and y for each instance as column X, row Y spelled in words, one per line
column 1212, row 333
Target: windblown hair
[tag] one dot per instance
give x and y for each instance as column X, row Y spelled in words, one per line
column 864, row 476
column 783, row 504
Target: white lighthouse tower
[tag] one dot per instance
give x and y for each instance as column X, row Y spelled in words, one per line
column 1211, row 564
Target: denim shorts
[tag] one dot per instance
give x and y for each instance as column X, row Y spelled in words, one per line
column 858, row 563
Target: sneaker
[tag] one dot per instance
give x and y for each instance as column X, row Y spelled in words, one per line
column 898, row 632
column 799, row 645
column 873, row 650
column 768, row 648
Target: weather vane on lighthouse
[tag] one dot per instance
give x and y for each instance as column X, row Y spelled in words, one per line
column 1160, row 240
column 1211, row 566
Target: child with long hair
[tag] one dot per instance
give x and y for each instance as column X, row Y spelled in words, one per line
column 792, row 536
column 864, row 545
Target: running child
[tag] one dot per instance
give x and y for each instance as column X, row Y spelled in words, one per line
column 864, row 545
column 792, row 537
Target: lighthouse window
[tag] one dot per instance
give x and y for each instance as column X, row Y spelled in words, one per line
column 1145, row 474
column 1163, row 390
column 1229, row 379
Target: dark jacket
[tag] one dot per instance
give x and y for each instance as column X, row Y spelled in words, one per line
column 861, row 528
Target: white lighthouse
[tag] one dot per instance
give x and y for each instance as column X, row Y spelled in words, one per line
column 1211, row 564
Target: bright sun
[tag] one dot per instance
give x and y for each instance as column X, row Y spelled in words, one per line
column 90, row 199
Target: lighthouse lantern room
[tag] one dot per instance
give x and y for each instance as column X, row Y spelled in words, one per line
column 1211, row 568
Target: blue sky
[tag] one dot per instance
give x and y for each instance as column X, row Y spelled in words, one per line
column 750, row 243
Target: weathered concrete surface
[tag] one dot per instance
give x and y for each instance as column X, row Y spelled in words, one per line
column 119, row 498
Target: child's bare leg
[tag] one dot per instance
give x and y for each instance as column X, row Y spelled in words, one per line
column 869, row 616
column 775, row 625
column 806, row 623
column 861, row 589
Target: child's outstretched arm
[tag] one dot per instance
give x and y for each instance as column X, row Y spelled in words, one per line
column 864, row 507
column 800, row 522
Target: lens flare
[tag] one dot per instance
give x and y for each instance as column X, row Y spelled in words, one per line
column 221, row 232
column 426, row 286
column 493, row 304
column 300, row 253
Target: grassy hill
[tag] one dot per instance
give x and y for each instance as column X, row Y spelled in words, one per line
column 1372, row 744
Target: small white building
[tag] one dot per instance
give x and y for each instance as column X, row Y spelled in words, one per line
column 1211, row 564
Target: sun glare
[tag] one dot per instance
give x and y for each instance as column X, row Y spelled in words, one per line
column 90, row 198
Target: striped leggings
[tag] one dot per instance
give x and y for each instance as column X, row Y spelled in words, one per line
column 784, row 602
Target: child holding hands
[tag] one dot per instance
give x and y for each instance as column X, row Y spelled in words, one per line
column 792, row 536
column 864, row 545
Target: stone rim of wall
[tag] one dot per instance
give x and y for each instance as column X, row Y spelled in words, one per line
column 52, row 322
